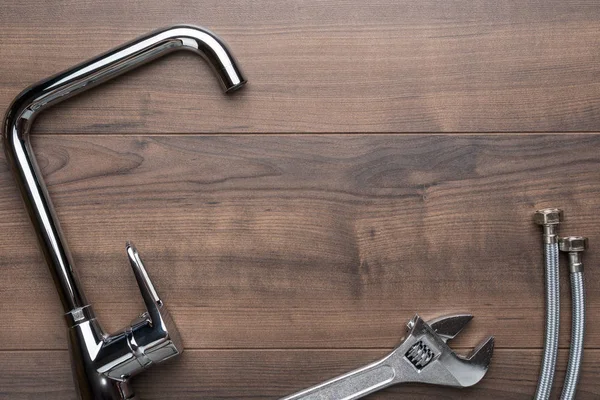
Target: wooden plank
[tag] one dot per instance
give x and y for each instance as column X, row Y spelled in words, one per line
column 386, row 66
column 251, row 374
column 309, row 241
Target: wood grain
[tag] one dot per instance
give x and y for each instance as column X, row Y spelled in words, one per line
column 322, row 66
column 287, row 259
column 251, row 374
column 284, row 241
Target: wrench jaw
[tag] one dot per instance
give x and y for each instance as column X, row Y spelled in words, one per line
column 449, row 326
column 425, row 357
column 476, row 364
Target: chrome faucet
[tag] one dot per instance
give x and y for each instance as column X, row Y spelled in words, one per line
column 103, row 364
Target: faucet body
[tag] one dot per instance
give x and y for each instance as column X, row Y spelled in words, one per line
column 103, row 363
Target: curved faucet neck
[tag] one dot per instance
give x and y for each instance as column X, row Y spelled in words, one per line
column 42, row 95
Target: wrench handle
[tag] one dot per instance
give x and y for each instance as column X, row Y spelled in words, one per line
column 352, row 385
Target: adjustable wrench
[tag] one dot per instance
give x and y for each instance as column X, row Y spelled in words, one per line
column 423, row 356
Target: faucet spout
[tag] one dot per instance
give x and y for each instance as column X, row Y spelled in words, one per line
column 80, row 78
column 103, row 363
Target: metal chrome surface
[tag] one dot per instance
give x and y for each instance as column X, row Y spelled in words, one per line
column 422, row 357
column 575, row 246
column 102, row 364
column 549, row 219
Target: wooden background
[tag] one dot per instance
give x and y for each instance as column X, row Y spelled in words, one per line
column 384, row 159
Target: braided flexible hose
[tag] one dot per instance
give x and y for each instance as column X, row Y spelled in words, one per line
column 577, row 331
column 552, row 322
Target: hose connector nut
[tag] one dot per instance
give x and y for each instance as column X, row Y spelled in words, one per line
column 549, row 218
column 574, row 245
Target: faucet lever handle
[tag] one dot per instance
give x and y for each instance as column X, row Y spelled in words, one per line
column 154, row 335
column 151, row 300
column 150, row 339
